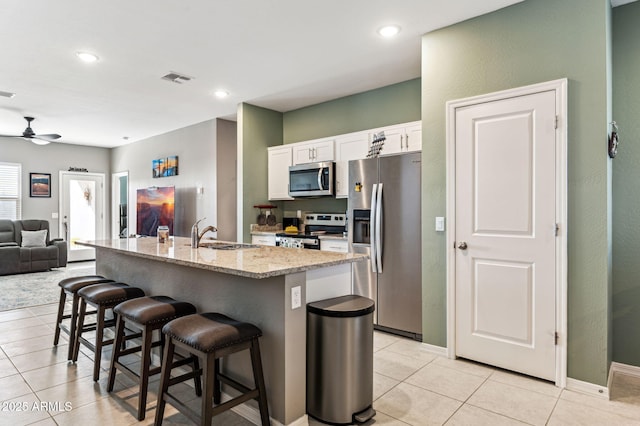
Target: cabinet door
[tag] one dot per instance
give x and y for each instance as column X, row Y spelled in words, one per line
column 278, row 181
column 302, row 153
column 413, row 138
column 354, row 146
column 313, row 151
column 265, row 240
column 338, row 246
column 394, row 142
column 324, row 150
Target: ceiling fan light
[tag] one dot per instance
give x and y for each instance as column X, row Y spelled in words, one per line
column 87, row 57
column 38, row 141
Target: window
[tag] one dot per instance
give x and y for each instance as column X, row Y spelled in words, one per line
column 10, row 191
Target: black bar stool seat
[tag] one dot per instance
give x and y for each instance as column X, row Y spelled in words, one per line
column 147, row 314
column 102, row 297
column 71, row 286
column 211, row 336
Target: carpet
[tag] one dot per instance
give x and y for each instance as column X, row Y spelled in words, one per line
column 38, row 288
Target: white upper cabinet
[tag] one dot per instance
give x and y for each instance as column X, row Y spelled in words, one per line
column 400, row 138
column 353, row 146
column 278, row 166
column 313, row 151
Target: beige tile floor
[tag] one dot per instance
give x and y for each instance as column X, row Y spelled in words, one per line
column 411, row 387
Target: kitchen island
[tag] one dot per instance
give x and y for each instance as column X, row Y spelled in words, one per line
column 250, row 283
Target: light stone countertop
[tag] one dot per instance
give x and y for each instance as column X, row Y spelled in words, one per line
column 260, row 262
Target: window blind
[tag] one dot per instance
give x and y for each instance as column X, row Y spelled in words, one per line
column 10, row 191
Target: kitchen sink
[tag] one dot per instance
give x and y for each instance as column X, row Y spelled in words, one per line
column 219, row 245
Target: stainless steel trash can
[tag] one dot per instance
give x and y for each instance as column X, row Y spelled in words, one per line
column 340, row 359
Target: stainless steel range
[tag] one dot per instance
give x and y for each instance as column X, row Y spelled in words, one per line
column 315, row 225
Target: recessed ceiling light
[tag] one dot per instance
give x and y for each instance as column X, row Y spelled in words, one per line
column 221, row 94
column 389, row 31
column 87, row 57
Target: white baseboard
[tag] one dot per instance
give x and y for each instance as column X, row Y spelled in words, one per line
column 587, row 388
column 437, row 350
column 253, row 415
column 627, row 370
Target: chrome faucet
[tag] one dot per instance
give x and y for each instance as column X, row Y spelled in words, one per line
column 196, row 236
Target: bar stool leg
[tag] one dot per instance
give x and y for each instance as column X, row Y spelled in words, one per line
column 117, row 348
column 217, row 385
column 145, row 364
column 63, row 299
column 256, row 363
column 74, row 325
column 98, row 345
column 208, row 376
column 78, row 334
column 165, row 373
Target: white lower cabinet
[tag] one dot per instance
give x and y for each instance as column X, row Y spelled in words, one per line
column 339, row 246
column 265, row 240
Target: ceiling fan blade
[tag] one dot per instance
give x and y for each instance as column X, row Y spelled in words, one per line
column 48, row 137
column 11, row 136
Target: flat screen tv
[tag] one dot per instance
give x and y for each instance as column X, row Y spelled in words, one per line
column 154, row 207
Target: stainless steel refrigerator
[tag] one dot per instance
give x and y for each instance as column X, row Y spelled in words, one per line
column 384, row 222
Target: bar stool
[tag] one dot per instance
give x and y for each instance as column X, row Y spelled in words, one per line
column 102, row 297
column 147, row 314
column 71, row 286
column 211, row 336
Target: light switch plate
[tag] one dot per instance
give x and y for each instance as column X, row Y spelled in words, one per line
column 54, row 215
column 439, row 223
column 296, row 297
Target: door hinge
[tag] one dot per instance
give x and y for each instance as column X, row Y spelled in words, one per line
column 556, row 337
column 557, row 229
column 557, row 120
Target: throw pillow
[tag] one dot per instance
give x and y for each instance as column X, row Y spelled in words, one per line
column 34, row 238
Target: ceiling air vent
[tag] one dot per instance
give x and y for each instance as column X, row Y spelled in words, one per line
column 175, row 77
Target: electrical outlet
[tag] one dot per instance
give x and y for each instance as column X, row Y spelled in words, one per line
column 296, row 297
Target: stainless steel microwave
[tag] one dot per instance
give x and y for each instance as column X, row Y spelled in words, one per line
column 312, row 179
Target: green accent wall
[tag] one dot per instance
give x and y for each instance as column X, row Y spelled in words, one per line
column 393, row 104
column 626, row 192
column 397, row 103
column 258, row 129
column 530, row 42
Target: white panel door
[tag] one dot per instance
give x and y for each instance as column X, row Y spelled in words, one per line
column 82, row 206
column 505, row 233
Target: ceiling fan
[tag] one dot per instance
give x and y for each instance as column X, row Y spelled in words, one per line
column 29, row 134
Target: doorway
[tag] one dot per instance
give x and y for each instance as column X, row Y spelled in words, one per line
column 82, row 202
column 119, row 205
column 506, row 257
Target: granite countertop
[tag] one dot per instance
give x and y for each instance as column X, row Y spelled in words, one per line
column 258, row 262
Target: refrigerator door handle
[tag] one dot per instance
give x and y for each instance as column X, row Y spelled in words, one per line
column 372, row 221
column 379, row 229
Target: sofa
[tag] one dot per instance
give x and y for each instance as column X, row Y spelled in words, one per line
column 25, row 247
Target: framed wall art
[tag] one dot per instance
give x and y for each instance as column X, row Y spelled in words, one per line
column 40, row 185
column 163, row 167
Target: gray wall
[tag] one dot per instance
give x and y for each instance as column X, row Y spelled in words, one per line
column 195, row 147
column 226, row 169
column 52, row 159
column 626, row 193
column 531, row 42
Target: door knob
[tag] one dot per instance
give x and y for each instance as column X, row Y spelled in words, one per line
column 462, row 245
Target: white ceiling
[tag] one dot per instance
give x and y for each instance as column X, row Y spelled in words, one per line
column 282, row 55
